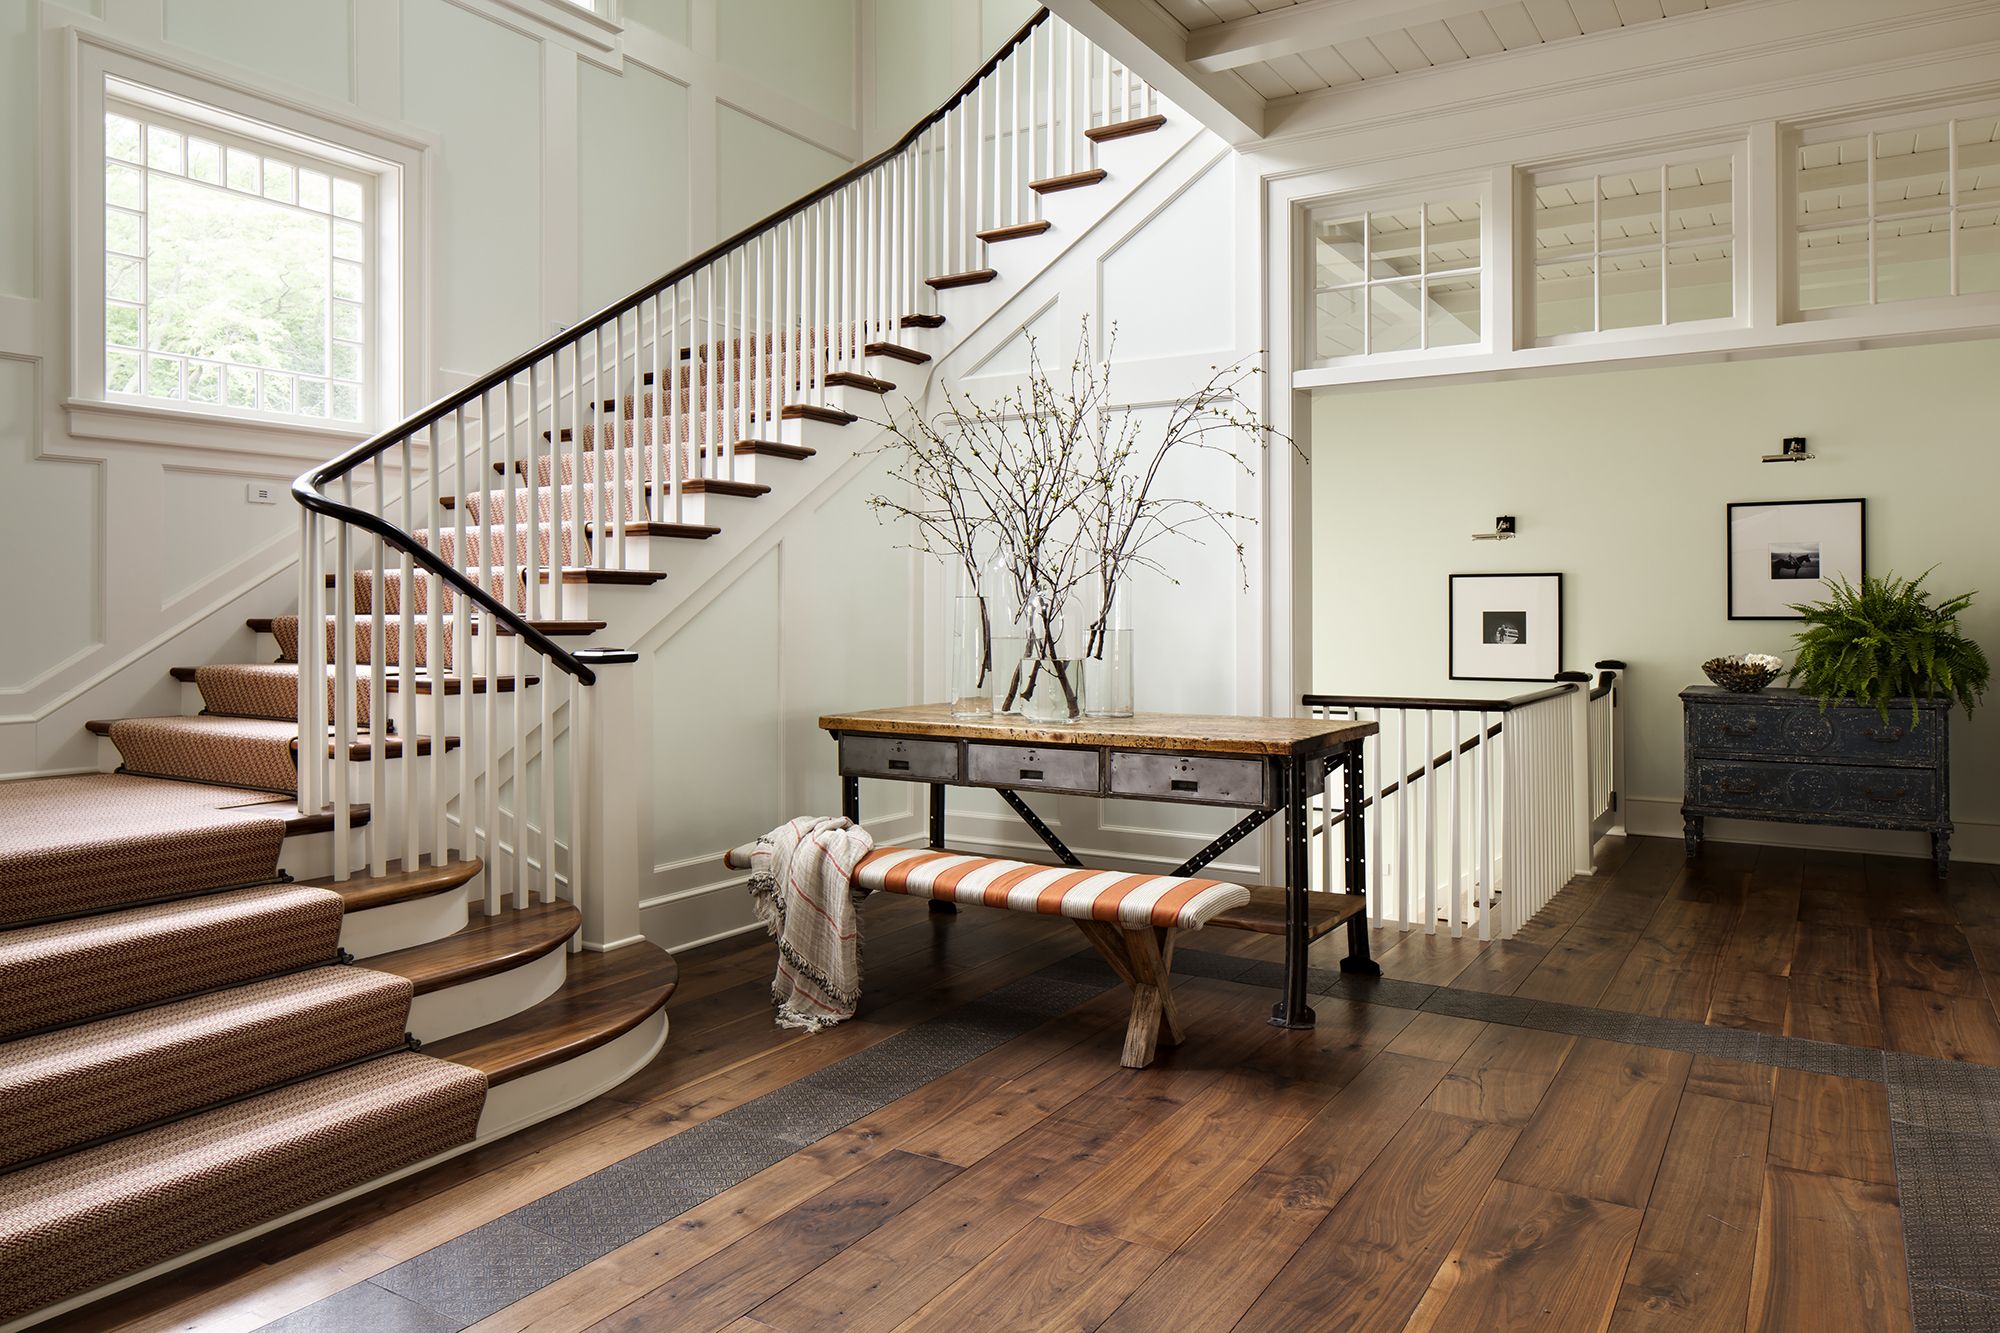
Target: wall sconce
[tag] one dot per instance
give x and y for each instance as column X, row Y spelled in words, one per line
column 1503, row 530
column 1793, row 450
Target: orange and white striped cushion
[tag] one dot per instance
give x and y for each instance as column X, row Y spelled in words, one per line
column 1112, row 896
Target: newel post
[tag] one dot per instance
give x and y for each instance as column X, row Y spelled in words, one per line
column 1577, row 827
column 611, row 758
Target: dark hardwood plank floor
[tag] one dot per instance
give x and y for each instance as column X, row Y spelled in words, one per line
column 1388, row 1170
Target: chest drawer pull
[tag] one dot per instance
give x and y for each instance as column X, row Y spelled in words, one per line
column 900, row 765
column 1747, row 729
column 1743, row 787
column 1891, row 797
column 1888, row 736
column 1031, row 774
column 1182, row 784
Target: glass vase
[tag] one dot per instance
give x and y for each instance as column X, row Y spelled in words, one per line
column 971, row 658
column 1040, row 676
column 1107, row 661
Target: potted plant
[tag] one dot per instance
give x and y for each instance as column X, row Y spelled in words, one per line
column 1887, row 640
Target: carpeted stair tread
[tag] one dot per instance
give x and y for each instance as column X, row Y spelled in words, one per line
column 67, row 1088
column 88, row 967
column 605, row 996
column 362, row 892
column 489, row 944
column 229, row 751
column 79, row 1221
column 98, row 841
column 264, row 689
column 285, row 629
column 394, row 682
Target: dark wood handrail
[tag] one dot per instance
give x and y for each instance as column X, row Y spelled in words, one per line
column 1434, row 704
column 308, row 488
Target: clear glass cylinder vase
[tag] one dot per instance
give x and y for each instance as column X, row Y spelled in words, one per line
column 1107, row 661
column 971, row 663
column 1038, row 664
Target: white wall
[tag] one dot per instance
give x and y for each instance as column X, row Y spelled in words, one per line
column 563, row 177
column 1619, row 479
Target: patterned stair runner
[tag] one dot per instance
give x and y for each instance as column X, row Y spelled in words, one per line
column 68, row 971
column 237, row 751
column 267, row 690
column 81, row 1220
column 99, row 841
column 69, row 1087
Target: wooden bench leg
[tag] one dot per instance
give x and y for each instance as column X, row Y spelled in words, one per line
column 1143, row 959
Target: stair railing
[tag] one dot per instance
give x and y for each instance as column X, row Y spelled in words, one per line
column 460, row 527
column 1478, row 811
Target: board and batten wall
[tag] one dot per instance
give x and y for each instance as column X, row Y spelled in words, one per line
column 1619, row 479
column 560, row 182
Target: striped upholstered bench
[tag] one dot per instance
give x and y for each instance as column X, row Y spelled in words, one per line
column 1130, row 919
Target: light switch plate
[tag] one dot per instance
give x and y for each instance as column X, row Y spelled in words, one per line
column 261, row 493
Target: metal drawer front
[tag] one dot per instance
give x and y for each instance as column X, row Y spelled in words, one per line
column 896, row 757
column 1866, row 795
column 1033, row 767
column 1196, row 778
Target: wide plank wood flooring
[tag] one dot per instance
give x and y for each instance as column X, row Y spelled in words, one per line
column 1388, row 1170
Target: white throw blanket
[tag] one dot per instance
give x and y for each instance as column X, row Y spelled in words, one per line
column 801, row 877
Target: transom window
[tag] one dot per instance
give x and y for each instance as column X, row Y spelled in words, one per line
column 1897, row 214
column 239, row 273
column 1632, row 248
column 1396, row 279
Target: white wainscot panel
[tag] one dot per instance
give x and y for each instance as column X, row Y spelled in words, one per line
column 1169, row 287
column 208, row 524
column 760, row 169
column 1053, row 340
column 632, row 160
column 49, row 541
column 717, row 723
column 307, row 42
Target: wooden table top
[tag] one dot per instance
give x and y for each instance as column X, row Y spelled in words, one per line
column 1187, row 733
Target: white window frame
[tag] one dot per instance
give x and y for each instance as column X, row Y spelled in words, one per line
column 1799, row 135
column 1528, row 263
column 394, row 158
column 1304, row 273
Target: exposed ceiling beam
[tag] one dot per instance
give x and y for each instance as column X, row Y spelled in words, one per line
column 1310, row 27
column 1149, row 42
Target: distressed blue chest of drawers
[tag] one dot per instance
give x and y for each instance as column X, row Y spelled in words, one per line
column 1779, row 756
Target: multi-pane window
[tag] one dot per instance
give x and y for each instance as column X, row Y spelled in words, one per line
column 1627, row 249
column 1396, row 279
column 237, row 273
column 1898, row 214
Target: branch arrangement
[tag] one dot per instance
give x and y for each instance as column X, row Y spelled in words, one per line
column 1055, row 485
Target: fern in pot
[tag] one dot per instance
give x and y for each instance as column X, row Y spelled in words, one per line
column 1887, row 640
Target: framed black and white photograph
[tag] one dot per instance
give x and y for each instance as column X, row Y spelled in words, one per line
column 1782, row 552
column 1505, row 626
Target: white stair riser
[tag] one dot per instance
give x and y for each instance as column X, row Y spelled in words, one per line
column 522, row 1101
column 381, row 930
column 443, row 1013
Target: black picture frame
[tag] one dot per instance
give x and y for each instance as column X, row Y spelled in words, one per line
column 1729, row 562
column 1457, row 648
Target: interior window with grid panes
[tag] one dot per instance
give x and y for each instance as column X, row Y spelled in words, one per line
column 1897, row 214
column 1402, row 279
column 236, row 275
column 1633, row 249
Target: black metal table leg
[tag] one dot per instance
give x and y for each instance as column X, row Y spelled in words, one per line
column 850, row 799
column 1041, row 829
column 1354, row 797
column 1292, row 1011
column 937, row 841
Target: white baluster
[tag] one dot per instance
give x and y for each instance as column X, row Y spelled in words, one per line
column 377, row 832
column 406, row 676
column 344, row 696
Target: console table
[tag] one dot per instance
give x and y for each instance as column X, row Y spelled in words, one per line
column 1264, row 765
column 1777, row 755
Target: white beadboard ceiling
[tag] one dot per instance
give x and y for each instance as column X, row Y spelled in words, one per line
column 1285, row 48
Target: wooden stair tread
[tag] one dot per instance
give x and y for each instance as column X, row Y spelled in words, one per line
column 745, row 490
column 812, row 412
column 1265, row 912
column 854, row 379
column 969, row 278
column 1017, row 231
column 921, row 322
column 359, row 748
column 1121, row 129
column 362, row 892
column 690, row 531
column 488, row 945
column 605, row 996
column 578, row 574
column 393, row 681
column 552, row 628
column 1075, row 180
column 302, row 824
column 896, row 351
